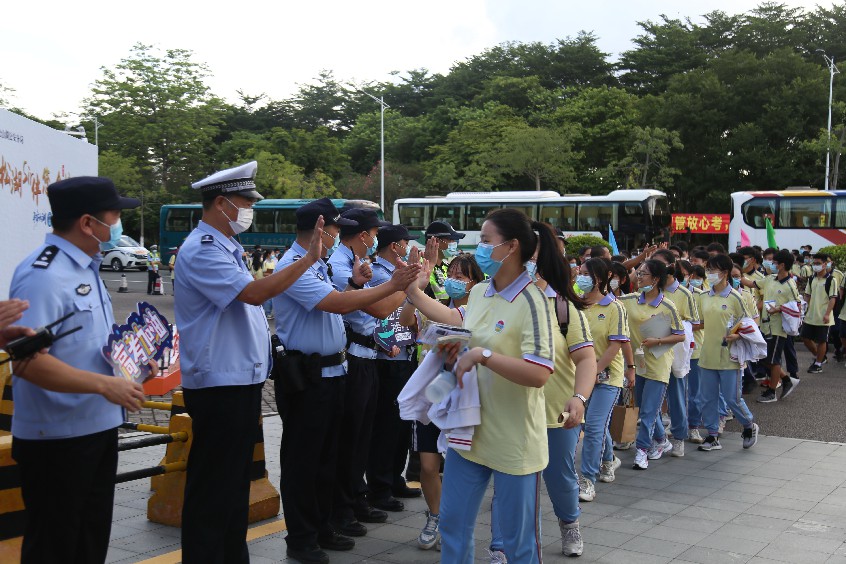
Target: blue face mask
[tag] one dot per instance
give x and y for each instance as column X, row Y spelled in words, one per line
column 335, row 244
column 584, row 282
column 371, row 250
column 696, row 283
column 646, row 289
column 115, row 233
column 404, row 257
column 451, row 250
column 483, row 258
column 735, row 282
column 769, row 266
column 532, row 270
column 455, row 289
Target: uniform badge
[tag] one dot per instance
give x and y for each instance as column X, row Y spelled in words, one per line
column 207, row 239
column 46, row 256
column 601, row 316
column 724, row 306
column 83, row 289
column 500, row 325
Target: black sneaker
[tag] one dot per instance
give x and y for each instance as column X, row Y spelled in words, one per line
column 351, row 528
column 311, row 555
column 768, row 396
column 789, row 384
column 711, row 443
column 370, row 515
column 334, row 541
column 389, row 503
column 814, row 369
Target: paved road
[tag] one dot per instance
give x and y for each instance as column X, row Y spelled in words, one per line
column 813, row 411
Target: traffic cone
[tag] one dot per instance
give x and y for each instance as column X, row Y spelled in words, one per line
column 157, row 287
column 123, row 286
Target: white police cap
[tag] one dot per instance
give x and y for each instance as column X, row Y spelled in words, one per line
column 239, row 180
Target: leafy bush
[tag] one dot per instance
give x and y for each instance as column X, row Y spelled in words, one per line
column 838, row 255
column 576, row 242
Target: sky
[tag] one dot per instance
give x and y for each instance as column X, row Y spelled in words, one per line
column 53, row 51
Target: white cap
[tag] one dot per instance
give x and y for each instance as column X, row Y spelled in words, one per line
column 239, row 180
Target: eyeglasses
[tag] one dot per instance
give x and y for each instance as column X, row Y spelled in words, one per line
column 640, row 274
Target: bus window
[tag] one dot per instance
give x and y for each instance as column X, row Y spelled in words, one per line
column 179, row 219
column 286, row 220
column 804, row 212
column 755, row 210
column 530, row 211
column 562, row 216
column 595, row 217
column 840, row 213
column 264, row 221
column 448, row 213
column 413, row 216
column 476, row 214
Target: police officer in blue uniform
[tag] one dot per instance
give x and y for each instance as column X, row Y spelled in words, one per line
column 225, row 359
column 391, row 435
column 68, row 403
column 311, row 381
column 362, row 380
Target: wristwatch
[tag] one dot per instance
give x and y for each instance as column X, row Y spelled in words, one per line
column 353, row 285
column 486, row 356
column 581, row 397
column 631, row 366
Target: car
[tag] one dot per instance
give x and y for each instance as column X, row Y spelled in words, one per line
column 128, row 254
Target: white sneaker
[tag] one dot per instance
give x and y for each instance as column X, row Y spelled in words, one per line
column 497, row 557
column 622, row 446
column 571, row 539
column 665, row 419
column 587, row 491
column 430, row 535
column 641, row 461
column 721, row 425
column 695, row 437
column 729, row 416
column 678, row 447
column 607, row 469
column 750, row 436
column 658, row 449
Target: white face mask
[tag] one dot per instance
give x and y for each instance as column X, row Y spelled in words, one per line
column 244, row 220
column 614, row 283
column 714, row 278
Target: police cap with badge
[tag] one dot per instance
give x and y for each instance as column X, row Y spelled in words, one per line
column 307, row 215
column 443, row 230
column 235, row 181
column 393, row 234
column 80, row 195
column 365, row 219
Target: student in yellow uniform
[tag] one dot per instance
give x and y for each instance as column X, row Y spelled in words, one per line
column 837, row 330
column 821, row 295
column 694, row 398
column 776, row 291
column 610, row 329
column 677, row 389
column 722, row 308
column 653, row 372
column 512, row 350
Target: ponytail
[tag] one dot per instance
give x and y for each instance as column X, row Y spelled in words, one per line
column 551, row 267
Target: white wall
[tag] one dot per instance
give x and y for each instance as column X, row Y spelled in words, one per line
column 32, row 156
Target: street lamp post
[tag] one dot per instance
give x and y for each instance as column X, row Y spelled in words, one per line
column 832, row 71
column 381, row 101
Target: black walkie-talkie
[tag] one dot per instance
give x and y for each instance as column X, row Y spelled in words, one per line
column 25, row 347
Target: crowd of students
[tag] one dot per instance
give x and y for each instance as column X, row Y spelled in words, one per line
column 548, row 339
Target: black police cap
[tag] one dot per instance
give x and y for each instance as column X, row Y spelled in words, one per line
column 307, row 215
column 365, row 220
column 393, row 234
column 443, row 230
column 74, row 197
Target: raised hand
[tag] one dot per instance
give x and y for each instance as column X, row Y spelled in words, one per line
column 315, row 245
column 405, row 275
column 431, row 253
column 361, row 271
column 11, row 311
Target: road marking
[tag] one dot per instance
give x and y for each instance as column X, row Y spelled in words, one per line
column 252, row 534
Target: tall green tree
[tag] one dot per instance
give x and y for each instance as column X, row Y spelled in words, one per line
column 540, row 153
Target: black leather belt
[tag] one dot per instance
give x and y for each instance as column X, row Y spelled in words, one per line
column 359, row 339
column 333, row 359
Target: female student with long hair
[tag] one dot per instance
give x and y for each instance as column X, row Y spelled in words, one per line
column 623, row 284
column 609, row 328
column 513, row 325
column 463, row 273
column 722, row 307
column 653, row 374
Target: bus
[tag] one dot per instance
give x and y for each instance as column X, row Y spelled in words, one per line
column 803, row 216
column 636, row 216
column 274, row 222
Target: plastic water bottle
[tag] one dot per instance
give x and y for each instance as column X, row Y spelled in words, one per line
column 440, row 387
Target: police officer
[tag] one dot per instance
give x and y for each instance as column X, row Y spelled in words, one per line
column 225, row 358
column 153, row 265
column 68, row 402
column 448, row 239
column 309, row 323
column 391, row 435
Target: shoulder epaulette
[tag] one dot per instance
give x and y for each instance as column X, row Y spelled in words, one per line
column 207, row 239
column 46, row 257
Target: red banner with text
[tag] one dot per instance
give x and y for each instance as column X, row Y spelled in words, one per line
column 715, row 223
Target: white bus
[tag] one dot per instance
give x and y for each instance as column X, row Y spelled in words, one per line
column 636, row 216
column 799, row 217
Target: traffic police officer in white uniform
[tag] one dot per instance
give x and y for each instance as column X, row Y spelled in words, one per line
column 68, row 402
column 311, row 381
column 225, row 359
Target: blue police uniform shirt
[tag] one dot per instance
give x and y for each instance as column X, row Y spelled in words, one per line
column 64, row 281
column 299, row 324
column 223, row 341
column 360, row 322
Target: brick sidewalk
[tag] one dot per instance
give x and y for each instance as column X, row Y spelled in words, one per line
column 782, row 501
